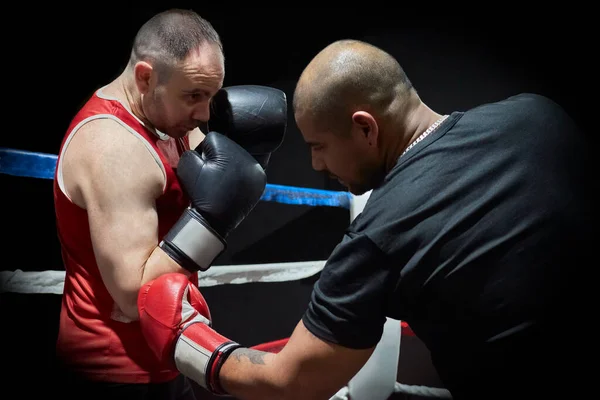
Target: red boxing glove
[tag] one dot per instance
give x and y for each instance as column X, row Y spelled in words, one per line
column 175, row 321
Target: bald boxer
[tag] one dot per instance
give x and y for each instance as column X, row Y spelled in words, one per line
column 141, row 191
column 475, row 227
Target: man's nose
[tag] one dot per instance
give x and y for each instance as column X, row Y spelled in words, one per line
column 201, row 112
column 317, row 163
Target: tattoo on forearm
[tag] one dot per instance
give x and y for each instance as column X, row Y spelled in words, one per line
column 254, row 356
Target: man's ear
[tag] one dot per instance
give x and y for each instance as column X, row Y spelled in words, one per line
column 142, row 73
column 367, row 125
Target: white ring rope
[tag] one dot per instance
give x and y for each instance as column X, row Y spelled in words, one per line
column 423, row 391
column 52, row 282
column 413, row 390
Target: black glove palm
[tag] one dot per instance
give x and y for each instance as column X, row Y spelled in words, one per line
column 223, row 181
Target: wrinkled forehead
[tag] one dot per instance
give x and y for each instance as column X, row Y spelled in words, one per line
column 204, row 66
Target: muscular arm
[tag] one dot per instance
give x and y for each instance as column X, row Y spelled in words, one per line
column 109, row 172
column 311, row 368
column 306, row 368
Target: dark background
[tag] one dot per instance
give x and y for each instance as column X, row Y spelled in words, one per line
column 55, row 56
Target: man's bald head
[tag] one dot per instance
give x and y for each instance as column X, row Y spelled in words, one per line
column 347, row 76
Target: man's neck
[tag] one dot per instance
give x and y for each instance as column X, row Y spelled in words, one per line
column 131, row 96
column 408, row 130
column 124, row 89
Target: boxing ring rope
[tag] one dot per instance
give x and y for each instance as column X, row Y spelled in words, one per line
column 42, row 166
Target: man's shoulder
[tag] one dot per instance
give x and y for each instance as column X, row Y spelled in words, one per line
column 107, row 143
column 532, row 100
column 514, row 113
column 102, row 134
column 521, row 103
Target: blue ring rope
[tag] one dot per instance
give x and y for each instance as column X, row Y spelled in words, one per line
column 42, row 165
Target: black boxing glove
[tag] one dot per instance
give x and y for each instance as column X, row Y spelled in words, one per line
column 224, row 183
column 253, row 116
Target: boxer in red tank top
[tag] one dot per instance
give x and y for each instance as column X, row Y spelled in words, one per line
column 117, row 195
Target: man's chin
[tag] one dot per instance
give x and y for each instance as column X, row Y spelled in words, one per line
column 177, row 133
column 357, row 191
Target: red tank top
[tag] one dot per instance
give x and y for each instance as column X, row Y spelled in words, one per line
column 92, row 338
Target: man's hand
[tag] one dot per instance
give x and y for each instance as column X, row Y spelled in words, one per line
column 175, row 320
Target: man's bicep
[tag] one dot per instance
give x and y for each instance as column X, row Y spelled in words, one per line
column 123, row 181
column 344, row 320
column 317, row 366
column 123, row 235
column 349, row 302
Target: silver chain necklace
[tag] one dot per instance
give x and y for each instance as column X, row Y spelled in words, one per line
column 424, row 134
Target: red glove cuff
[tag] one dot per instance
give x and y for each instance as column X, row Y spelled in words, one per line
column 202, row 349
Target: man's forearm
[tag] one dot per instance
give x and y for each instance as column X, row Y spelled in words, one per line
column 159, row 263
column 251, row 374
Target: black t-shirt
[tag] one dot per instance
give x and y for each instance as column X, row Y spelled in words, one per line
column 472, row 239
